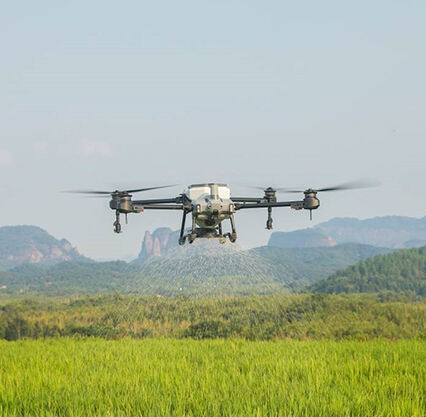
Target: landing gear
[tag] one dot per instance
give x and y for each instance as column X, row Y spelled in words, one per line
column 182, row 238
column 269, row 221
column 222, row 239
column 193, row 235
column 117, row 224
column 233, row 235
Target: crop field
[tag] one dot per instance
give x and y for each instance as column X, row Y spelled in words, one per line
column 167, row 377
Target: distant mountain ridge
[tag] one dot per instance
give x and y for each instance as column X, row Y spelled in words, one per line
column 32, row 261
column 31, row 244
column 389, row 231
column 401, row 272
column 261, row 270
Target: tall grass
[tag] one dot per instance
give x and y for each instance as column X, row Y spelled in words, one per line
column 167, row 377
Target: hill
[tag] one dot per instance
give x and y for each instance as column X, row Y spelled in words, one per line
column 31, row 244
column 400, row 272
column 389, row 231
column 261, row 270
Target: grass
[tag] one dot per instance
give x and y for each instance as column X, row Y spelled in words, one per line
column 167, row 377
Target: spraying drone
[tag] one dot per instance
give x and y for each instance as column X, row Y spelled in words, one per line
column 210, row 204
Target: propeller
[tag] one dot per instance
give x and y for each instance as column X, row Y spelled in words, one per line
column 96, row 193
column 260, row 188
column 353, row 185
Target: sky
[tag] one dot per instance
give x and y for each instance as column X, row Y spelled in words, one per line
column 127, row 94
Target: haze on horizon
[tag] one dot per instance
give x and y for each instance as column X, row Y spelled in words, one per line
column 96, row 95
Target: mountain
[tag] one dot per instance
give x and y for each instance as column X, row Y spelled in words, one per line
column 225, row 271
column 163, row 243
column 21, row 244
column 400, row 272
column 157, row 244
column 389, row 231
column 304, row 238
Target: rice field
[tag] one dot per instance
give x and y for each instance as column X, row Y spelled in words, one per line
column 167, row 377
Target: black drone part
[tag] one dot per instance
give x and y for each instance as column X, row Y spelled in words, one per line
column 117, row 192
column 341, row 187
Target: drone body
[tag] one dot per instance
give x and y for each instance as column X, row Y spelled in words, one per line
column 211, row 204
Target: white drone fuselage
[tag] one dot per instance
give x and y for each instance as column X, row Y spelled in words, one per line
column 211, row 204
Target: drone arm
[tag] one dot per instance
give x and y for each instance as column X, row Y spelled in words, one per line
column 156, row 201
column 247, row 199
column 142, row 207
column 271, row 204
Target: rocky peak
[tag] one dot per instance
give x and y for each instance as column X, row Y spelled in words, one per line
column 22, row 244
column 157, row 243
column 163, row 242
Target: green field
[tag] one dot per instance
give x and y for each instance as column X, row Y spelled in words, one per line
column 166, row 377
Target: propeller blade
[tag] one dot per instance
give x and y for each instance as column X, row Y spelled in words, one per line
column 87, row 192
column 106, row 193
column 260, row 188
column 351, row 185
column 255, row 187
column 289, row 190
column 150, row 188
column 103, row 196
column 277, row 189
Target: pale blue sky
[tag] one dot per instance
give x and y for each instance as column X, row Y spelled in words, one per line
column 101, row 94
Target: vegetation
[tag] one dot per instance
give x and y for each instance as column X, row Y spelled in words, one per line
column 263, row 270
column 300, row 317
column 399, row 272
column 161, row 378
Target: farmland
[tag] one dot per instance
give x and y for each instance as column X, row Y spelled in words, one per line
column 166, row 377
column 281, row 355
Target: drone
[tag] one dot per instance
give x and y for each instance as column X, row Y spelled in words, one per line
column 211, row 204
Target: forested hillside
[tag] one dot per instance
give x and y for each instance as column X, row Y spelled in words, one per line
column 263, row 270
column 400, row 272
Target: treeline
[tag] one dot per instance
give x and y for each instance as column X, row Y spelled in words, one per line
column 300, row 317
column 400, row 272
